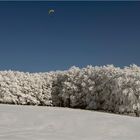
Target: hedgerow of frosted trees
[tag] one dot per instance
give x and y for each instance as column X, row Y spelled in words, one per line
column 106, row 88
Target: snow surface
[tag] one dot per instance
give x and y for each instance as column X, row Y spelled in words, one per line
column 54, row 123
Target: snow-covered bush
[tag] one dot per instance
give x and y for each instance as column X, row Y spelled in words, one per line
column 105, row 88
column 25, row 88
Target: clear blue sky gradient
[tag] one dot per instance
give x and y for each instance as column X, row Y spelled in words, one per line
column 79, row 33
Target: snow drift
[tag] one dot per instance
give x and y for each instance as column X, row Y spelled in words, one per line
column 56, row 123
column 105, row 88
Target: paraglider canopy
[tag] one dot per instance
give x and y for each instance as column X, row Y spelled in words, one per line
column 51, row 11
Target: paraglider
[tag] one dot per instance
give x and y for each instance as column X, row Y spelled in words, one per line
column 51, row 11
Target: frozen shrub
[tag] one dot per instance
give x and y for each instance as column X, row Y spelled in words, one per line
column 105, row 88
column 25, row 88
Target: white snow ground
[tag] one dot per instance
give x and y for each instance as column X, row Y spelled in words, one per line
column 51, row 123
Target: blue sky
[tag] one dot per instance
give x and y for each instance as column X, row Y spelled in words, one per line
column 78, row 33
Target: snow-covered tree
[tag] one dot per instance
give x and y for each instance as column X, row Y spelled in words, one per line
column 106, row 88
